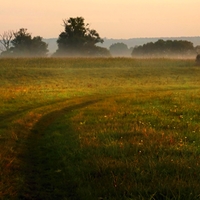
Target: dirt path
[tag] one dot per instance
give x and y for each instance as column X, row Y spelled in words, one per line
column 42, row 178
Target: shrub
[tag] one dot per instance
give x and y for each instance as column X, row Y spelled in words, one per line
column 198, row 59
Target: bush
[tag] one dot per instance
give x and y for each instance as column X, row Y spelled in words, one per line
column 198, row 59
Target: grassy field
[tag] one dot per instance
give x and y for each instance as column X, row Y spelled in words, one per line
column 104, row 129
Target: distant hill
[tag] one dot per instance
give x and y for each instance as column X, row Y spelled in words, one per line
column 52, row 45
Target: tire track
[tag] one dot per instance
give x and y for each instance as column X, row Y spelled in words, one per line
column 36, row 166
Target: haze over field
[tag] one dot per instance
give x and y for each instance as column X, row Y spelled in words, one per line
column 132, row 42
column 112, row 19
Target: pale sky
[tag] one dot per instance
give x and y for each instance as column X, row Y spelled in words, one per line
column 110, row 18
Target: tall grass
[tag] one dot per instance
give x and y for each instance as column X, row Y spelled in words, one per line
column 114, row 128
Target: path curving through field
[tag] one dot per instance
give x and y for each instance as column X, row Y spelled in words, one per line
column 42, row 164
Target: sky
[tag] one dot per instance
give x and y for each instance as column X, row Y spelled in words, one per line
column 115, row 19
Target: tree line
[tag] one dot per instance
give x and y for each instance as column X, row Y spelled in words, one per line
column 78, row 39
column 21, row 43
column 165, row 48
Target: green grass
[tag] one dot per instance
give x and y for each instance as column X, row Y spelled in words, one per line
column 112, row 128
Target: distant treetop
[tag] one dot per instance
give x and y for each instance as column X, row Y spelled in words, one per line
column 22, row 45
column 79, row 40
column 120, row 49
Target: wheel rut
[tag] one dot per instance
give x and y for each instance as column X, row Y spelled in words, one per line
column 39, row 181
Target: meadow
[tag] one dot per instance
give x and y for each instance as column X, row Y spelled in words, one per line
column 99, row 128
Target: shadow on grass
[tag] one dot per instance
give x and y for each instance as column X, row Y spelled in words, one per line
column 52, row 157
column 9, row 116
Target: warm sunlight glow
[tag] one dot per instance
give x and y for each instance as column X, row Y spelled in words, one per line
column 112, row 19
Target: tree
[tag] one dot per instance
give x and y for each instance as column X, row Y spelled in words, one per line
column 24, row 45
column 197, row 49
column 77, row 39
column 165, row 48
column 38, row 47
column 21, row 43
column 198, row 59
column 119, row 49
column 5, row 40
column 100, row 52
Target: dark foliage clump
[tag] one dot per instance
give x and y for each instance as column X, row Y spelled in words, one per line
column 165, row 48
column 198, row 59
column 79, row 40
